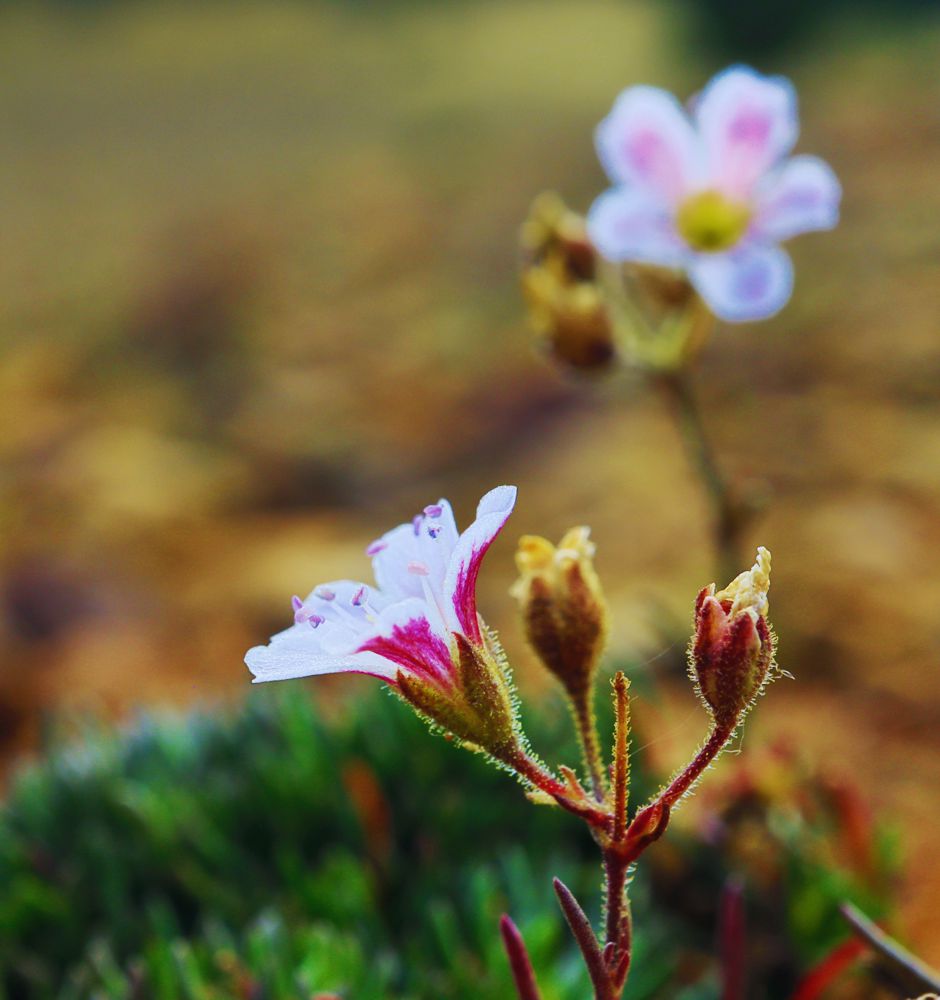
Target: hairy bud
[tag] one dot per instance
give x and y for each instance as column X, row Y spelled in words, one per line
column 563, row 607
column 732, row 650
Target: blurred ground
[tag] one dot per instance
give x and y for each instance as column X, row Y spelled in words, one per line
column 258, row 302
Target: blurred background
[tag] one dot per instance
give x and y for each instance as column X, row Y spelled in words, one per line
column 259, row 302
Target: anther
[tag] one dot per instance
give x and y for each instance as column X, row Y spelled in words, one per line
column 418, row 568
column 376, row 547
column 301, row 614
column 325, row 594
column 434, row 510
column 359, row 598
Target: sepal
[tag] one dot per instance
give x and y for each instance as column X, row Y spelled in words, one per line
column 478, row 710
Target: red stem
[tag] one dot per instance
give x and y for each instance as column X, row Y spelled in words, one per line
column 687, row 777
column 546, row 782
column 823, row 975
column 732, row 940
column 522, row 972
column 615, row 876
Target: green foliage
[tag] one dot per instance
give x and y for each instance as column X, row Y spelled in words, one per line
column 265, row 853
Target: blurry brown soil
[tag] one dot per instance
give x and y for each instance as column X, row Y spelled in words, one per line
column 258, row 302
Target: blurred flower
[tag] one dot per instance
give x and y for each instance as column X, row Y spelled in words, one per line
column 566, row 305
column 733, row 647
column 418, row 628
column 712, row 192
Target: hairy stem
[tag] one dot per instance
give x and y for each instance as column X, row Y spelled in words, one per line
column 543, row 779
column 590, row 743
column 689, row 775
column 615, row 882
column 621, row 754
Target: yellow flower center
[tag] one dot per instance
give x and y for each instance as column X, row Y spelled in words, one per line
column 710, row 222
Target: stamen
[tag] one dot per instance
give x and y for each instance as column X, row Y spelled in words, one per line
column 302, row 614
column 325, row 594
column 359, row 598
column 419, row 569
column 416, row 523
column 434, row 510
column 376, row 547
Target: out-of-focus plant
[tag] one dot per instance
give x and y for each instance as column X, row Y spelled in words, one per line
column 266, row 851
column 688, row 234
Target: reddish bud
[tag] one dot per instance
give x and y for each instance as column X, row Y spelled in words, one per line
column 732, row 650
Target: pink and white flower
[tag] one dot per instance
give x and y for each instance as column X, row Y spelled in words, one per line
column 712, row 190
column 424, row 595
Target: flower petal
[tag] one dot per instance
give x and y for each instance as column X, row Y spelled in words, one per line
column 750, row 282
column 401, row 636
column 407, row 638
column 277, row 662
column 460, row 582
column 748, row 122
column 801, row 196
column 402, row 555
column 647, row 141
column 626, row 224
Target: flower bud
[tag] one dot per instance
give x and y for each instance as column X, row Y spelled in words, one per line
column 732, row 651
column 563, row 607
column 566, row 305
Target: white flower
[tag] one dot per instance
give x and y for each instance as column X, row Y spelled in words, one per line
column 425, row 593
column 713, row 191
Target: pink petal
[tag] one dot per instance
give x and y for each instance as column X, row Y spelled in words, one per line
column 647, row 141
column 748, row 122
column 803, row 195
column 460, row 582
column 752, row 282
column 627, row 224
column 407, row 639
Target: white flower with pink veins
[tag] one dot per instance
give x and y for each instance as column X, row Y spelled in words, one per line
column 713, row 190
column 425, row 592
